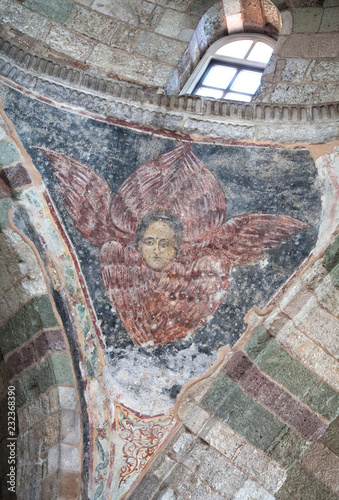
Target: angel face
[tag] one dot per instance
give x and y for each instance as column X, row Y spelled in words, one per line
column 158, row 238
column 157, row 245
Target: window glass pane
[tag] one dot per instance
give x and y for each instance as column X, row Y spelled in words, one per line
column 219, row 76
column 247, row 81
column 205, row 92
column 235, row 49
column 238, row 97
column 261, row 52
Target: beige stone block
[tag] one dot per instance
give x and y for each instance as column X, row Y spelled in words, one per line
column 129, row 66
column 314, row 275
column 63, row 40
column 141, row 14
column 294, row 299
column 275, row 321
column 170, row 23
column 313, row 356
column 70, row 432
column 252, row 491
column 63, row 457
column 196, row 419
column 160, row 48
column 67, row 397
column 324, row 464
column 23, row 19
column 92, row 24
column 328, row 295
column 311, row 45
column 256, row 464
column 319, row 325
column 224, row 439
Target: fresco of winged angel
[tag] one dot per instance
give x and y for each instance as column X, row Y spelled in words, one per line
column 166, row 249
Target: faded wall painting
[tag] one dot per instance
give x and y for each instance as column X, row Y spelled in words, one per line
column 166, row 249
column 161, row 245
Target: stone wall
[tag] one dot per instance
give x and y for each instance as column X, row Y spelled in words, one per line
column 36, row 359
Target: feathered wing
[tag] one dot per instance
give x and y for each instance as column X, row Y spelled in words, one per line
column 247, row 237
column 164, row 306
column 87, row 196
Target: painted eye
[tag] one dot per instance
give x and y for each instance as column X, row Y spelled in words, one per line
column 164, row 243
column 149, row 242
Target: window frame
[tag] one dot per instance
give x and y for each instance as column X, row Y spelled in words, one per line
column 211, row 57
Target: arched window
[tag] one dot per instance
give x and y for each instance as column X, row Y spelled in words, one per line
column 231, row 68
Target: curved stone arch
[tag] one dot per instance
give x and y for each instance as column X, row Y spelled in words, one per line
column 223, row 18
column 35, row 361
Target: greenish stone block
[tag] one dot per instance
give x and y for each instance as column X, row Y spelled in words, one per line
column 257, row 425
column 31, row 380
column 242, row 413
column 324, row 401
column 46, row 376
column 62, row 369
column 21, row 397
column 307, row 20
column 282, row 495
column 299, row 380
column 43, row 306
column 258, row 341
column 331, row 257
column 287, row 448
column 335, row 276
column 218, row 393
column 8, row 153
column 5, row 206
column 303, row 485
column 331, row 437
column 31, row 318
column 58, row 10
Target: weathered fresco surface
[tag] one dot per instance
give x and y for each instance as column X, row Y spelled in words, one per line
column 248, row 216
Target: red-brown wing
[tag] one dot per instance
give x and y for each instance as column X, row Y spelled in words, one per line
column 247, row 237
column 87, row 196
column 166, row 305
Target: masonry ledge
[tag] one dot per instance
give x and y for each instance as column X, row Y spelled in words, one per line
column 110, row 99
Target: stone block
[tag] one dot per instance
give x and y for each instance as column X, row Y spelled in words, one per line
column 214, row 469
column 252, row 490
column 314, row 275
column 181, row 444
column 295, row 70
column 160, row 48
column 144, row 15
column 8, row 153
column 60, row 365
column 275, row 322
column 224, row 439
column 331, row 437
column 70, row 432
column 307, row 20
column 286, row 370
column 147, row 487
column 319, row 325
column 303, row 484
column 330, row 20
column 324, row 464
column 257, row 342
column 170, row 23
column 52, row 427
column 331, row 257
column 58, row 10
column 315, row 45
column 129, row 66
column 24, row 20
column 335, row 276
column 307, row 351
column 125, row 36
column 327, row 92
column 68, row 398
column 257, row 465
column 325, row 70
column 65, row 41
column 92, row 24
column 189, row 485
column 69, row 485
column 196, row 419
column 286, row 22
column 238, row 365
column 63, row 457
column 162, row 466
column 287, row 448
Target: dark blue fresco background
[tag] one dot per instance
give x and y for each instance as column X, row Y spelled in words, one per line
column 254, row 179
